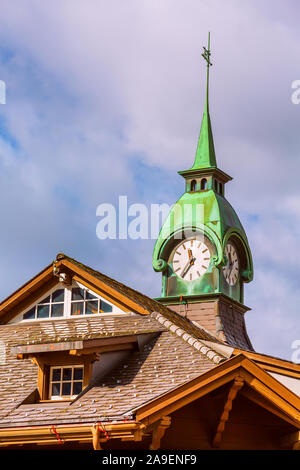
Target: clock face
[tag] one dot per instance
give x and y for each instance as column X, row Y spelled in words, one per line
column 191, row 259
column 231, row 270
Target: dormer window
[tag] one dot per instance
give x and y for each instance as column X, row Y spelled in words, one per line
column 67, row 302
column 85, row 302
column 65, row 382
column 52, row 306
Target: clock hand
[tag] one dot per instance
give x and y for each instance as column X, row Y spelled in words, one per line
column 187, row 267
column 191, row 257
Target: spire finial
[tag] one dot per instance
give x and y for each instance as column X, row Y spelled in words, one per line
column 205, row 154
column 206, row 55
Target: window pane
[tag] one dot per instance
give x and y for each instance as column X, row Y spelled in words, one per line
column 78, row 372
column 46, row 300
column 105, row 307
column 57, row 310
column 90, row 295
column 77, row 293
column 43, row 311
column 67, row 374
column 56, row 375
column 77, row 308
column 91, row 307
column 58, row 295
column 30, row 314
column 55, row 389
column 66, row 388
column 77, row 387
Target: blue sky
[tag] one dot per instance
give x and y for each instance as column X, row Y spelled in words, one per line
column 106, row 98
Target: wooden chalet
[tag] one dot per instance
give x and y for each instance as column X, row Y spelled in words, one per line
column 89, row 363
column 151, row 378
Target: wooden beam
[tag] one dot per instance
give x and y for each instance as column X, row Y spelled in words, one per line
column 32, row 284
column 24, row 301
column 113, row 299
column 105, row 288
column 83, row 345
column 102, row 349
column 234, row 389
column 159, row 431
column 272, row 363
column 291, row 440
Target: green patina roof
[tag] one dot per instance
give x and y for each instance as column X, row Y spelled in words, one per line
column 206, row 211
column 205, row 154
column 218, row 220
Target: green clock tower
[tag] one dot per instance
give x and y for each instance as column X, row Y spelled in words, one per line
column 202, row 249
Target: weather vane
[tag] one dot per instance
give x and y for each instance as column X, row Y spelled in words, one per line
column 206, row 54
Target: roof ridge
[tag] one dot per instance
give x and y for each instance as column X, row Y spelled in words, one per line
column 151, row 308
column 191, row 340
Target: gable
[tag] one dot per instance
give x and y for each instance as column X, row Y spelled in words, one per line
column 67, row 301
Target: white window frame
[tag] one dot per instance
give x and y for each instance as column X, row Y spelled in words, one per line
column 61, row 381
column 67, row 306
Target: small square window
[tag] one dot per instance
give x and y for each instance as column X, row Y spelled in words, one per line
column 91, row 307
column 56, row 375
column 67, row 374
column 55, row 389
column 66, row 388
column 43, row 311
column 46, row 300
column 57, row 310
column 105, row 307
column 90, row 295
column 77, row 388
column 77, row 308
column 66, row 381
column 58, row 295
column 77, row 293
column 78, row 373
column 30, row 315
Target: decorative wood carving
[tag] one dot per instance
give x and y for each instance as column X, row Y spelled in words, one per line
column 292, row 441
column 96, row 437
column 159, row 431
column 237, row 385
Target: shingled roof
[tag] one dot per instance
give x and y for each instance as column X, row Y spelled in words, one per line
column 159, row 366
column 176, row 352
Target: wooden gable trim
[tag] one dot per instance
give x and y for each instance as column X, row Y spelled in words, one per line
column 271, row 363
column 33, row 284
column 291, row 440
column 257, row 398
column 215, row 378
column 8, row 314
column 46, row 279
column 105, row 289
column 113, row 299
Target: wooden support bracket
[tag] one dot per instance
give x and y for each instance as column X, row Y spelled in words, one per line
column 291, row 440
column 159, row 431
column 236, row 386
column 96, row 437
